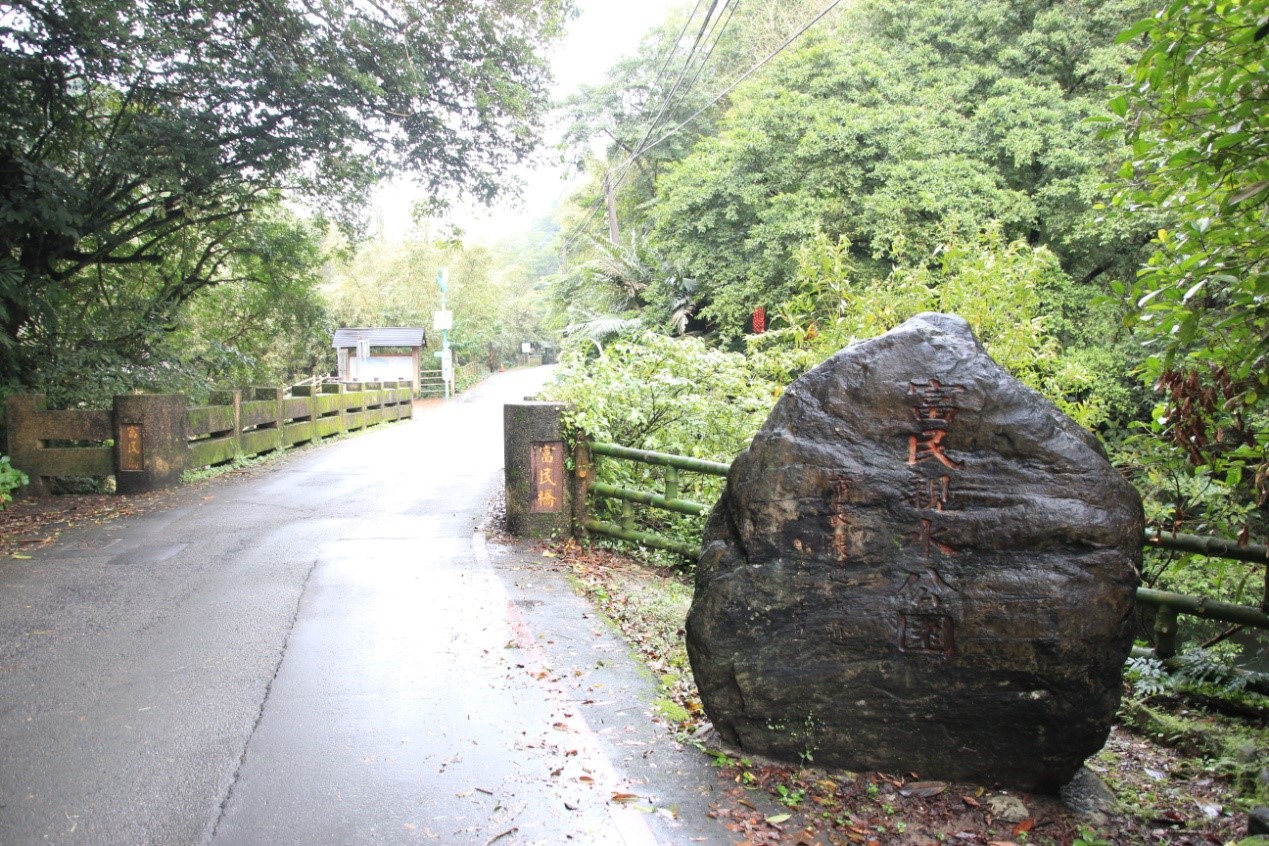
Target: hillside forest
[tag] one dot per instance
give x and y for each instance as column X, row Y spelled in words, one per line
column 184, row 206
column 1084, row 182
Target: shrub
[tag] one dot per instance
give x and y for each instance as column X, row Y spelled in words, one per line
column 11, row 478
column 674, row 395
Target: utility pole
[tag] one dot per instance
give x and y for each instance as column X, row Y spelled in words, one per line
column 444, row 321
column 612, row 208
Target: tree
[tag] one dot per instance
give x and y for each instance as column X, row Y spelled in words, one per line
column 265, row 322
column 907, row 121
column 1196, row 121
column 393, row 283
column 134, row 127
column 654, row 105
column 118, row 329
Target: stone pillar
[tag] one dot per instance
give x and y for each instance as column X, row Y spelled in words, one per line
column 151, row 449
column 22, row 422
column 538, row 487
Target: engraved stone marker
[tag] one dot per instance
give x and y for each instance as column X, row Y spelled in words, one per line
column 920, row 565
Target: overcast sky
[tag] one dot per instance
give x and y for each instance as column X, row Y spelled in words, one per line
column 605, row 31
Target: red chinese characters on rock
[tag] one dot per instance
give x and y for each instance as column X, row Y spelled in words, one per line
column 838, row 521
column 934, row 409
column 925, row 627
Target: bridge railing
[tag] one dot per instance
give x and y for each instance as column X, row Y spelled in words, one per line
column 147, row 441
column 668, row 499
column 1167, row 605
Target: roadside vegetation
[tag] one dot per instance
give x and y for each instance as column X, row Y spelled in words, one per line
column 1184, row 764
column 1085, row 183
column 184, row 192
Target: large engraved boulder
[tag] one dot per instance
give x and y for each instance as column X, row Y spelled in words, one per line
column 919, row 566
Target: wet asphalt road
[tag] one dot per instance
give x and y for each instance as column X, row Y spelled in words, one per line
column 329, row 652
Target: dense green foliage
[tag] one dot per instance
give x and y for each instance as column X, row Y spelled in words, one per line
column 1085, row 182
column 11, row 478
column 144, row 145
column 1196, row 121
column 651, row 103
column 1016, row 297
column 899, row 124
column 115, row 330
column 674, row 395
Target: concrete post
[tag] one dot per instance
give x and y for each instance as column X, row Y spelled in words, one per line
column 337, row 388
column 234, row 399
column 151, row 449
column 538, row 486
column 21, row 414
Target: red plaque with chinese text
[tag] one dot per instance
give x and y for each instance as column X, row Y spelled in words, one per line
column 131, row 458
column 546, row 463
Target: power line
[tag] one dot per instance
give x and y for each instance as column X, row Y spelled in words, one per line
column 729, row 7
column 705, row 59
column 665, row 101
column 640, row 149
column 746, row 74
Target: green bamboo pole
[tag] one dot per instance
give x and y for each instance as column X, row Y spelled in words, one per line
column 682, row 462
column 680, row 506
column 671, row 482
column 646, row 538
column 1201, row 545
column 1207, row 608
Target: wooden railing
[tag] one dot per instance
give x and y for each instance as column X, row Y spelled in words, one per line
column 146, row 442
column 1167, row 605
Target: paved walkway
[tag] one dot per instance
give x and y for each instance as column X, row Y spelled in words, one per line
column 329, row 652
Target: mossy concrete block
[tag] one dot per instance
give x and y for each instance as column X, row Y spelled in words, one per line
column 31, row 427
column 211, row 451
column 541, row 505
column 151, row 442
column 211, row 420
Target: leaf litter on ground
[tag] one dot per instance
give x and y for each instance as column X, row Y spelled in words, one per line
column 648, row 603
